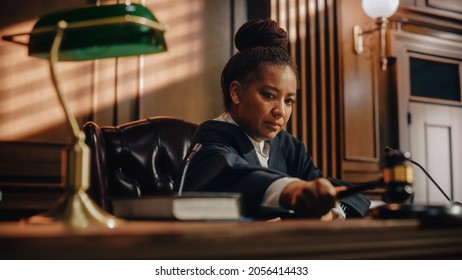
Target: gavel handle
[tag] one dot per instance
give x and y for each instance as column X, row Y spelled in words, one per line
column 359, row 188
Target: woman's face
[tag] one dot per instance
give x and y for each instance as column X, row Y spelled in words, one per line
column 263, row 107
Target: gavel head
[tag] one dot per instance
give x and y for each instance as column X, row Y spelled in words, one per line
column 397, row 176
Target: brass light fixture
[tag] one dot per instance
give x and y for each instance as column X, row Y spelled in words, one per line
column 379, row 10
column 88, row 33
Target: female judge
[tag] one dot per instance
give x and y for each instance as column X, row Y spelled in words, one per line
column 246, row 150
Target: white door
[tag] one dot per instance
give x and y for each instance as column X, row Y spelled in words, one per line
column 435, row 141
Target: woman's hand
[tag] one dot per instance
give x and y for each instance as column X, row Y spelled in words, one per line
column 309, row 199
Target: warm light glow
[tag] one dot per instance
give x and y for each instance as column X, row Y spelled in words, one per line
column 380, row 8
column 28, row 103
column 283, row 14
column 29, row 108
column 273, row 9
column 302, row 24
column 37, row 108
column 185, row 54
column 311, row 8
column 193, row 62
column 293, row 25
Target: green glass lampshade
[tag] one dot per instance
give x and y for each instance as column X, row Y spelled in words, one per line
column 95, row 32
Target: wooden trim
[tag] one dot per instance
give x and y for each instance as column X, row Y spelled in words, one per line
column 431, row 18
column 293, row 34
column 334, row 120
column 303, row 70
column 435, row 101
column 313, row 78
column 322, row 84
column 341, row 89
column 444, row 5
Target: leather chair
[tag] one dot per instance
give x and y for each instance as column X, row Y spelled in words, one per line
column 143, row 157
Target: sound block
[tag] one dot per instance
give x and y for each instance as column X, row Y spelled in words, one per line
column 428, row 215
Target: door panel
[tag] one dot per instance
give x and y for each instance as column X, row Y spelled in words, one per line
column 435, row 136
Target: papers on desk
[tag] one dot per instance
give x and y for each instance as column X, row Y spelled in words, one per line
column 188, row 207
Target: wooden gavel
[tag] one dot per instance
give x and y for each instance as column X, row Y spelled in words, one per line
column 397, row 179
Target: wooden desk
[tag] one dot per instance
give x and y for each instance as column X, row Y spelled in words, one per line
column 302, row 239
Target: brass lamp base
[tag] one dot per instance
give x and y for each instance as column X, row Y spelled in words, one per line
column 76, row 211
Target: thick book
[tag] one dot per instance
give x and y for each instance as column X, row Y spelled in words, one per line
column 187, row 207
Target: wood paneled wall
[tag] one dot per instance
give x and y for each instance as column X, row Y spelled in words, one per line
column 338, row 112
column 366, row 97
column 312, row 30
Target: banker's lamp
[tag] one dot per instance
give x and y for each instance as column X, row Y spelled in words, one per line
column 88, row 33
column 380, row 10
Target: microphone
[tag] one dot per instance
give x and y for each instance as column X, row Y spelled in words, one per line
column 406, row 158
column 194, row 150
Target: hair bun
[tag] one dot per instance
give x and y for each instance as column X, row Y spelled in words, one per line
column 260, row 33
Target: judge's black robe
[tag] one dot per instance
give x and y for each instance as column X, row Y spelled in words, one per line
column 227, row 162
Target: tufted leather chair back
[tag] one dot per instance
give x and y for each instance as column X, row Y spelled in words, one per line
column 139, row 158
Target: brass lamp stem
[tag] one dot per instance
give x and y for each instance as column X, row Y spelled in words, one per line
column 61, row 26
column 76, row 210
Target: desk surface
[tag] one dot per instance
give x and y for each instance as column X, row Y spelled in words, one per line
column 299, row 239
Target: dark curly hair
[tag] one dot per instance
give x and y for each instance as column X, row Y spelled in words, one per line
column 260, row 42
